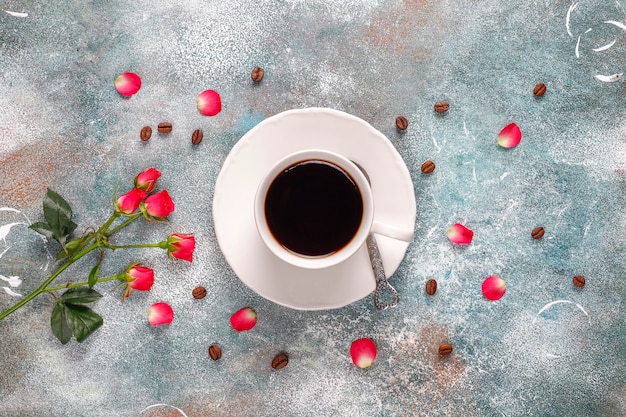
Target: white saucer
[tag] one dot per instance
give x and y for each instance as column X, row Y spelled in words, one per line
column 254, row 154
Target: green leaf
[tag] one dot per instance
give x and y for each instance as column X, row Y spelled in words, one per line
column 58, row 214
column 82, row 320
column 59, row 325
column 93, row 275
column 80, row 295
column 43, row 228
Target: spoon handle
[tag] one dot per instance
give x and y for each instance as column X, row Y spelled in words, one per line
column 379, row 274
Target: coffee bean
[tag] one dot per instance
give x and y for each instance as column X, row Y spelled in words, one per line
column 164, row 127
column 215, row 352
column 537, row 232
column 257, row 74
column 402, row 123
column 579, row 281
column 431, row 287
column 445, row 349
column 146, row 133
column 442, row 106
column 280, row 361
column 428, row 167
column 196, row 136
column 539, row 90
column 199, row 292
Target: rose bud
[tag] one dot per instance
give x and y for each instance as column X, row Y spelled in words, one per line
column 159, row 205
column 510, row 136
column 363, row 352
column 243, row 319
column 127, row 83
column 129, row 202
column 160, row 313
column 181, row 246
column 494, row 287
column 209, row 103
column 460, row 234
column 139, row 278
column 146, row 180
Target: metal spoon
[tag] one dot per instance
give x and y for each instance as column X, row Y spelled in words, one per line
column 377, row 265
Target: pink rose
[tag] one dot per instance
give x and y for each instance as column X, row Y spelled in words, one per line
column 146, row 180
column 181, row 246
column 138, row 278
column 158, row 205
column 129, row 202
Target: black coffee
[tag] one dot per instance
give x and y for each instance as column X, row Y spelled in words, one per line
column 313, row 208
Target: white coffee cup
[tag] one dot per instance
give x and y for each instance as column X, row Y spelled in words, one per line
column 292, row 186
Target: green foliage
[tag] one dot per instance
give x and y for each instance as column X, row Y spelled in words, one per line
column 58, row 214
column 71, row 317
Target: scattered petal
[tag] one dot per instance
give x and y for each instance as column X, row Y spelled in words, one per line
column 243, row 319
column 363, row 352
column 609, row 78
column 160, row 313
column 209, row 103
column 494, row 287
column 510, row 136
column 127, row 83
column 460, row 234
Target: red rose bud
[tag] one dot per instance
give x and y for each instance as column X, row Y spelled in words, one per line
column 127, row 83
column 129, row 202
column 146, row 180
column 243, row 319
column 181, row 246
column 158, row 205
column 363, row 352
column 160, row 313
column 139, row 278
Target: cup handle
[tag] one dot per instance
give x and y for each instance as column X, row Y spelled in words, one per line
column 379, row 273
column 392, row 232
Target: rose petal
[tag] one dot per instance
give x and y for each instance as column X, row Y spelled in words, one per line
column 160, row 313
column 363, row 352
column 243, row 319
column 510, row 136
column 209, row 103
column 127, row 83
column 460, row 234
column 494, row 287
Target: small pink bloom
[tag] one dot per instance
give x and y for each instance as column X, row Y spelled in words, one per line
column 460, row 234
column 209, row 103
column 158, row 205
column 243, row 319
column 160, row 313
column 181, row 246
column 494, row 287
column 129, row 202
column 127, row 83
column 146, row 180
column 363, row 352
column 138, row 278
column 510, row 136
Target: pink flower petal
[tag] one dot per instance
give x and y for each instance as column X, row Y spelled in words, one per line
column 243, row 319
column 127, row 83
column 510, row 136
column 460, row 234
column 160, row 313
column 363, row 352
column 209, row 103
column 494, row 287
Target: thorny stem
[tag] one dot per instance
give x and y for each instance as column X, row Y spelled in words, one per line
column 82, row 284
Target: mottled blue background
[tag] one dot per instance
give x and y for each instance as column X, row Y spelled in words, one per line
column 64, row 126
